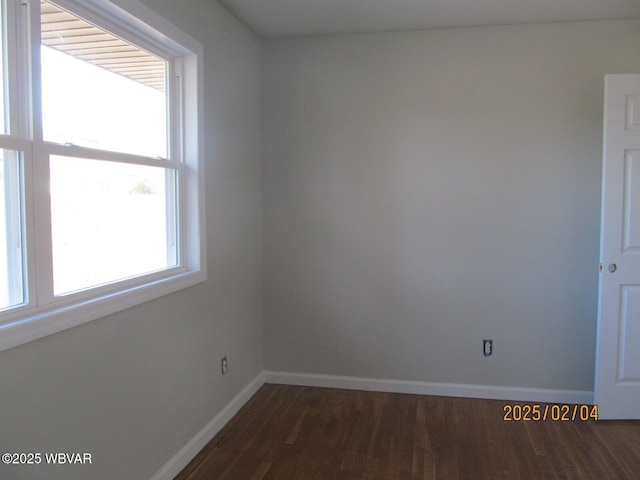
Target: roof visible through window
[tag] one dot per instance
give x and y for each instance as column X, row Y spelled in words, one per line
column 76, row 37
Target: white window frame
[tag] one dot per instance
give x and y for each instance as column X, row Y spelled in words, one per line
column 43, row 313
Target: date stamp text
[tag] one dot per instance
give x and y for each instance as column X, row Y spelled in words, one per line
column 539, row 412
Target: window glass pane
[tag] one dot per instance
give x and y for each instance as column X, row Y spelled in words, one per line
column 110, row 221
column 3, row 110
column 99, row 91
column 11, row 262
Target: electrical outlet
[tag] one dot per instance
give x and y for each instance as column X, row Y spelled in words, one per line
column 487, row 347
column 223, row 365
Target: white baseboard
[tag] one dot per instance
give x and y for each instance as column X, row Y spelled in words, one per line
column 430, row 388
column 181, row 459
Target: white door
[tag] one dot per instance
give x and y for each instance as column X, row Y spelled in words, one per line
column 617, row 381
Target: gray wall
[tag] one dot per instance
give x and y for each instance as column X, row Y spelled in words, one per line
column 133, row 388
column 425, row 190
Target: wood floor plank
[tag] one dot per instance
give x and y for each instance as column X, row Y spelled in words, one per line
column 288, row 432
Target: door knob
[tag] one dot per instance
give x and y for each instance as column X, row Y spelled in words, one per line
column 612, row 267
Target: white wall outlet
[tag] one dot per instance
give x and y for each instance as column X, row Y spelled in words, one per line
column 223, row 365
column 487, row 347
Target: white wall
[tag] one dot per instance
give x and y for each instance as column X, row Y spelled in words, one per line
column 425, row 190
column 133, row 388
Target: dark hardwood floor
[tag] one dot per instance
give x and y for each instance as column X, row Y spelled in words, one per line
column 287, row 432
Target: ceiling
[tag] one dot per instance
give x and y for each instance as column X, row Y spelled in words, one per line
column 278, row 18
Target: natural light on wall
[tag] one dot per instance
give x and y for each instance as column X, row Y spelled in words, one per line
column 109, row 220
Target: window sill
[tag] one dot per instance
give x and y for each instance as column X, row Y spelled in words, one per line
column 41, row 322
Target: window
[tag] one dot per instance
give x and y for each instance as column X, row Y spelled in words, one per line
column 101, row 182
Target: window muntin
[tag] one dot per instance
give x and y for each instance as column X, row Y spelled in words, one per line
column 99, row 91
